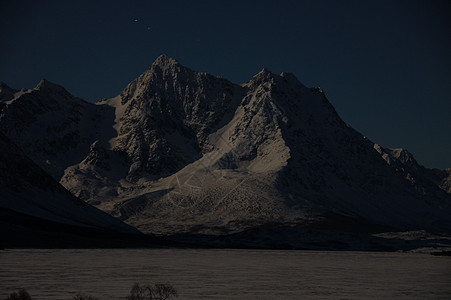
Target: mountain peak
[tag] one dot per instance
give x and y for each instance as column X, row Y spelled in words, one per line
column 264, row 72
column 264, row 75
column 161, row 68
column 44, row 84
column 403, row 155
column 164, row 61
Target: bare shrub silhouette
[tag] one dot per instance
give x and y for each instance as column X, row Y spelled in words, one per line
column 84, row 297
column 155, row 292
column 21, row 295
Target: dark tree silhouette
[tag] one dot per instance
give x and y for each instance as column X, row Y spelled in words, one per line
column 156, row 292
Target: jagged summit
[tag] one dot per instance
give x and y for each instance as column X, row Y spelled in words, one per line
column 265, row 72
column 170, row 99
column 398, row 155
column 264, row 75
column 164, row 60
column 44, row 84
column 165, row 65
column 403, row 155
column 164, row 70
column 286, row 80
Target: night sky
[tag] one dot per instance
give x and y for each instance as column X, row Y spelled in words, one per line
column 384, row 65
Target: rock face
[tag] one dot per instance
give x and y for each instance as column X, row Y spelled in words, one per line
column 165, row 116
column 27, row 189
column 181, row 151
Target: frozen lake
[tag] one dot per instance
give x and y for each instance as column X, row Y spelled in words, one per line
column 227, row 274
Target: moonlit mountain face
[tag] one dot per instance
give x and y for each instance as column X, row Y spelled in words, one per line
column 179, row 151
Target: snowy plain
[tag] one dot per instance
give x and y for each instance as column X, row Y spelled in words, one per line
column 227, row 274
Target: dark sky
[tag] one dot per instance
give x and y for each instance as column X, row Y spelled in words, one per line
column 384, row 65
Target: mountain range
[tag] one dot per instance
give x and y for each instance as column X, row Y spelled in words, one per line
column 185, row 152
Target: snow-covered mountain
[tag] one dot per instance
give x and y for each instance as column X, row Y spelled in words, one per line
column 53, row 128
column 27, row 189
column 179, row 151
